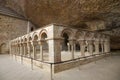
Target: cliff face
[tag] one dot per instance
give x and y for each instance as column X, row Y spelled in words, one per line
column 86, row 14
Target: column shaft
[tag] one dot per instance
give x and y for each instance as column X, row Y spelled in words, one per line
column 82, row 47
column 90, row 45
column 96, row 47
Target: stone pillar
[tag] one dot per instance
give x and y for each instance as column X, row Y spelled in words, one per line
column 72, row 42
column 15, row 49
column 21, row 49
column 82, row 47
column 90, row 46
column 96, row 43
column 107, row 46
column 28, row 48
column 68, row 44
column 10, row 48
column 41, row 42
column 18, row 49
column 54, row 50
column 25, row 48
column 102, row 45
column 34, row 43
column 74, row 47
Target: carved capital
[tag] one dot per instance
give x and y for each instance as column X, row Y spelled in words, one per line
column 34, row 43
column 72, row 41
column 82, row 42
column 90, row 42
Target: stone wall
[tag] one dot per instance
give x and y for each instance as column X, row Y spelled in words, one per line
column 10, row 28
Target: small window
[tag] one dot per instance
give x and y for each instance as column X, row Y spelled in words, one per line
column 32, row 29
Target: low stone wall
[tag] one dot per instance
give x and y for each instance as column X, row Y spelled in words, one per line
column 73, row 64
column 39, row 64
column 62, row 66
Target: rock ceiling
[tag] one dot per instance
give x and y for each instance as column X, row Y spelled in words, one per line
column 75, row 13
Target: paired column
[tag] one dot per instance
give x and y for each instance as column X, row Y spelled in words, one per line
column 41, row 42
column 96, row 43
column 107, row 46
column 28, row 48
column 34, row 43
column 14, row 50
column 68, row 44
column 72, row 43
column 10, row 47
column 17, row 49
column 102, row 45
column 90, row 46
column 21, row 49
column 25, row 48
column 82, row 47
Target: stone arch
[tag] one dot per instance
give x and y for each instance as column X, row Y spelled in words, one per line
column 80, row 35
column 69, row 32
column 24, row 39
column 3, row 48
column 66, row 34
column 29, row 38
column 35, row 36
column 89, row 36
column 43, row 34
column 45, row 48
column 96, row 36
column 102, row 37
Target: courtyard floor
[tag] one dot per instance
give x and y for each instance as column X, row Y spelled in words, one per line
column 104, row 69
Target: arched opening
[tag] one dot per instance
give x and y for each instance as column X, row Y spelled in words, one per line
column 66, row 47
column 80, row 46
column 44, row 45
column 66, row 42
column 35, row 46
column 3, row 48
column 77, row 47
column 30, row 51
column 86, row 48
column 43, row 36
column 25, row 49
column 35, row 38
column 94, row 49
column 77, row 50
column 100, row 48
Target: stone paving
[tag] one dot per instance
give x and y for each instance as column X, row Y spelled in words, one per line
column 104, row 69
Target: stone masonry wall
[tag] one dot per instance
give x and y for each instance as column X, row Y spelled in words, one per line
column 10, row 28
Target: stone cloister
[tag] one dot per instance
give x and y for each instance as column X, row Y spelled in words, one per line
column 56, row 43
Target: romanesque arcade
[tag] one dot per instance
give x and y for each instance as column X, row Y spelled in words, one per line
column 56, row 43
